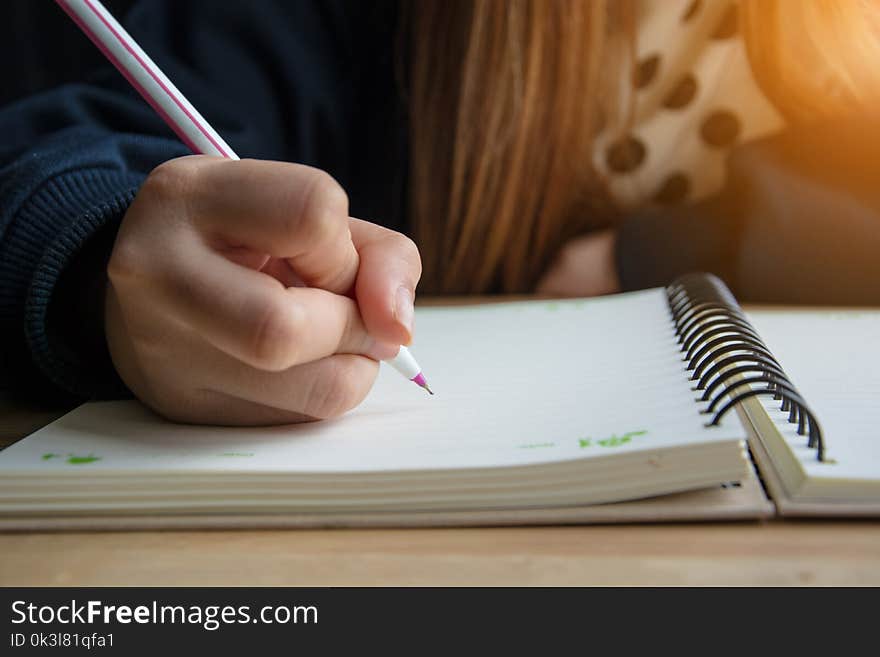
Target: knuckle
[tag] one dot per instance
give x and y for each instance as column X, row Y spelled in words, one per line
column 335, row 391
column 409, row 252
column 161, row 201
column 171, row 180
column 325, row 207
column 276, row 337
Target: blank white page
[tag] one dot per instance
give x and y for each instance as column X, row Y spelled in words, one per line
column 515, row 383
column 833, row 359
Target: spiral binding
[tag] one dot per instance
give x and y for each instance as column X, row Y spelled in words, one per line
column 727, row 358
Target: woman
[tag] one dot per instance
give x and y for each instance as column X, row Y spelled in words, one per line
column 523, row 145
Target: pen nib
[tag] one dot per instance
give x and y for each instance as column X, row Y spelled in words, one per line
column 420, row 381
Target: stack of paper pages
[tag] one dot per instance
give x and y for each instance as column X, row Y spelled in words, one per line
column 537, row 405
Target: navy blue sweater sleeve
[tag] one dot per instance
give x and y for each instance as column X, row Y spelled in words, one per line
column 273, row 78
column 66, row 176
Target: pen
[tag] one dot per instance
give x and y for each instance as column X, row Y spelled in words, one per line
column 127, row 56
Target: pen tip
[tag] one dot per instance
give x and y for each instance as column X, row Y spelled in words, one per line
column 420, row 381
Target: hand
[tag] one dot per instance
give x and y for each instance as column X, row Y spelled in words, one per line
column 585, row 267
column 241, row 292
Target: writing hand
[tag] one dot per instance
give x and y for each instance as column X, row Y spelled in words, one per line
column 241, row 292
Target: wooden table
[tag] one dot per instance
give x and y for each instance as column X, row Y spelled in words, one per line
column 767, row 553
column 776, row 552
column 771, row 553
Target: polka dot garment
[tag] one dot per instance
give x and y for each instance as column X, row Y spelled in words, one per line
column 695, row 98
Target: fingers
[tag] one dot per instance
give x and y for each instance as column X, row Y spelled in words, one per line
column 254, row 318
column 285, row 210
column 390, row 268
column 298, row 215
column 227, row 302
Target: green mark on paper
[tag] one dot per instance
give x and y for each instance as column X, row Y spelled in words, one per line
column 616, row 441
column 237, row 454
column 72, row 459
column 535, row 445
column 552, row 306
column 613, row 440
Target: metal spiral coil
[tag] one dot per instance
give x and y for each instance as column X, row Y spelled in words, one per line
column 727, row 358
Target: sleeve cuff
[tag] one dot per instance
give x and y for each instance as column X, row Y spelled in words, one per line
column 61, row 218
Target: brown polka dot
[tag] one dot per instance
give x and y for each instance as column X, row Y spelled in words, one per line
column 692, row 10
column 625, row 155
column 720, row 129
column 728, row 25
column 646, row 71
column 682, row 94
column 674, row 189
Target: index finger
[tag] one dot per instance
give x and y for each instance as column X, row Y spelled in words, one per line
column 287, row 210
column 258, row 321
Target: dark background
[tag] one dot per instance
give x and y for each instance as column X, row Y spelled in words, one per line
column 42, row 48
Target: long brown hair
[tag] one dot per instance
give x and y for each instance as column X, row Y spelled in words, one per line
column 507, row 96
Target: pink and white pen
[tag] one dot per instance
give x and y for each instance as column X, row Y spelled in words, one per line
column 127, row 56
column 404, row 363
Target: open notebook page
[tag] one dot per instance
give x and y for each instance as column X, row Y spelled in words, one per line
column 515, row 384
column 833, row 358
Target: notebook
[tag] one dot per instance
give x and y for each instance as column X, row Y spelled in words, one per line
column 834, row 357
column 545, row 411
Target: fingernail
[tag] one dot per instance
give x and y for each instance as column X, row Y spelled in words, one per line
column 404, row 312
